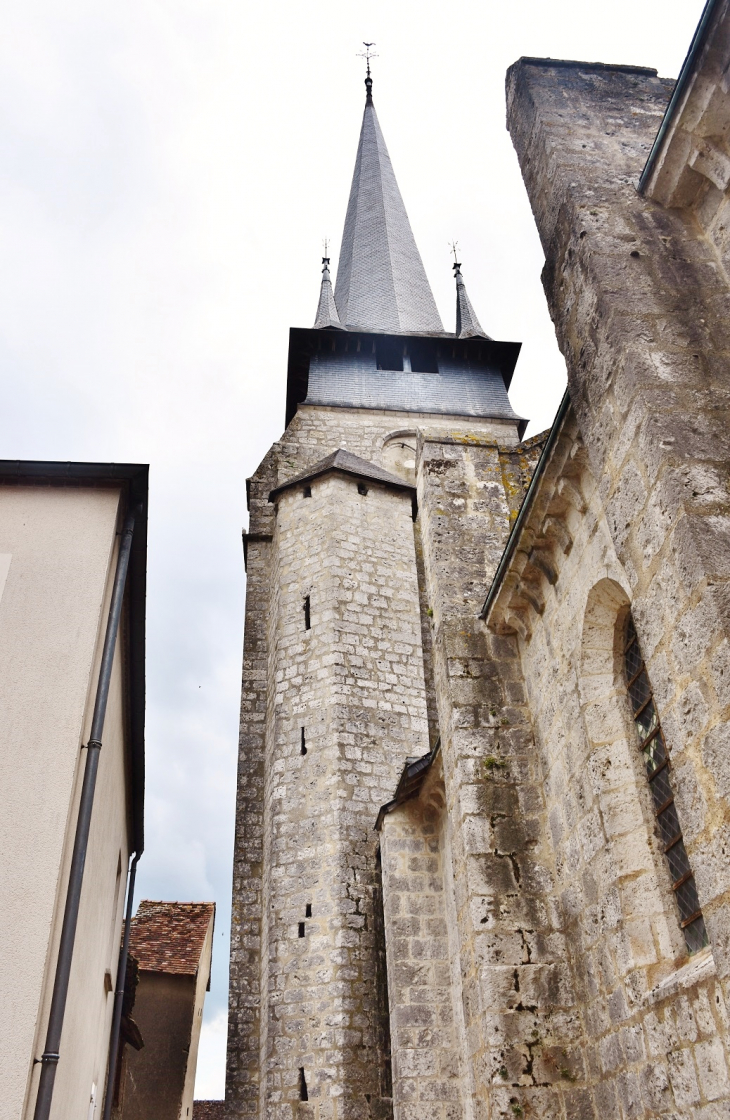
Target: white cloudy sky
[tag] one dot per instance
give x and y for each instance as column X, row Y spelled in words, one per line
column 168, row 169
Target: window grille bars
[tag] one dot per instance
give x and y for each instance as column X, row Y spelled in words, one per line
column 658, row 769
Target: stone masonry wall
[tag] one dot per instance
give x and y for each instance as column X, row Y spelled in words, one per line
column 314, row 433
column 353, row 685
column 523, row 1034
column 654, row 1024
column 639, row 299
column 428, row 1046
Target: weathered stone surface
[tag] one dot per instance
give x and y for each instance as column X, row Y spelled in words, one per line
column 509, row 941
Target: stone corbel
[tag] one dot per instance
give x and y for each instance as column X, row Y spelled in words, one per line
column 712, row 163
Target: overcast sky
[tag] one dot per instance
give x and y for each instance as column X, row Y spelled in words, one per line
column 168, row 171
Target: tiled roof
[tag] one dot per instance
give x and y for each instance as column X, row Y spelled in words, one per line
column 209, row 1110
column 381, row 282
column 169, row 936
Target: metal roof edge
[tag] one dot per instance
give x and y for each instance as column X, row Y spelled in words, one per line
column 406, row 790
column 695, row 49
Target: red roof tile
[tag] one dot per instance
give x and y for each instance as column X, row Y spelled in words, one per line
column 169, row 936
column 208, row 1110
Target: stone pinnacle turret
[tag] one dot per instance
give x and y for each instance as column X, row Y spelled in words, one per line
column 467, row 324
column 326, row 310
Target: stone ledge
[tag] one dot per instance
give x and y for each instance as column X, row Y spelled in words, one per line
column 701, row 967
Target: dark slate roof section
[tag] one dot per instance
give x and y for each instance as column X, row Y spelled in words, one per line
column 458, row 389
column 339, row 369
column 346, row 463
column 133, row 479
column 326, row 310
column 381, row 282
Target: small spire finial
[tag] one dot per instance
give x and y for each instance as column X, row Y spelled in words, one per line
column 367, row 54
column 456, row 265
column 325, row 258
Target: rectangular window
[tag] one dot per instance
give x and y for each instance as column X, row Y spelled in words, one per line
column 389, row 354
column 307, row 614
column 423, row 356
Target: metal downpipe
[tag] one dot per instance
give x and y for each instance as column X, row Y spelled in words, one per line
column 50, row 1057
column 119, row 993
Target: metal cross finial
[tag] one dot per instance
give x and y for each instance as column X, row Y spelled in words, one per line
column 367, row 54
column 454, row 246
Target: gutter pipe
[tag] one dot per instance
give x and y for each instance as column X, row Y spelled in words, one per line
column 119, row 993
column 50, row 1057
column 527, row 501
column 695, row 48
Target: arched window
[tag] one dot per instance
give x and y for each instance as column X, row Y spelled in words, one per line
column 658, row 770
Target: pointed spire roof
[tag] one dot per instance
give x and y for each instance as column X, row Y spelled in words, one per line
column 467, row 324
column 326, row 311
column 381, row 281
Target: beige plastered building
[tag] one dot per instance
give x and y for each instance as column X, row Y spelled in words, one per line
column 60, row 528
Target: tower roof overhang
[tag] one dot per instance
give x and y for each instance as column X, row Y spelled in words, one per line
column 480, row 353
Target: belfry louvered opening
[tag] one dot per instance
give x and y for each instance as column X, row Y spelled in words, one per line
column 658, row 770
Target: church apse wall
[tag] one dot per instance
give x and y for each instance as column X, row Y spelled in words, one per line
column 653, row 1017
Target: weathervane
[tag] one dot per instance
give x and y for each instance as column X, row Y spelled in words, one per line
column 367, row 54
column 454, row 246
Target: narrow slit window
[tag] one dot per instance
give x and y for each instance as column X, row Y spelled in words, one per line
column 303, row 745
column 308, row 910
column 307, row 614
column 301, row 929
column 307, row 492
column 303, row 1094
column 362, row 489
column 658, row 772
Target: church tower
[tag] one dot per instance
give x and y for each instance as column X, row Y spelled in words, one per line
column 339, row 680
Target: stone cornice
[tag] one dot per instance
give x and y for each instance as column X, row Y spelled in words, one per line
column 542, row 537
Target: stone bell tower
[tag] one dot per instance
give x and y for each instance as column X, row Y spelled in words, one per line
column 338, row 681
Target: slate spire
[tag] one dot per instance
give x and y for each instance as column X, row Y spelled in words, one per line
column 326, row 311
column 381, row 281
column 467, row 324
